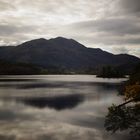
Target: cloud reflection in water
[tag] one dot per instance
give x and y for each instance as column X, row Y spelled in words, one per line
column 56, row 107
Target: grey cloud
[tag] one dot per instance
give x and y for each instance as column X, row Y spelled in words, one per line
column 51, row 6
column 107, row 40
column 99, row 40
column 5, row 6
column 103, row 22
column 117, row 26
column 126, row 49
column 114, row 31
column 15, row 34
column 135, row 52
column 121, row 50
column 130, row 6
column 15, row 29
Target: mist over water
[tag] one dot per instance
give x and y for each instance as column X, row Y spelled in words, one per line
column 56, row 107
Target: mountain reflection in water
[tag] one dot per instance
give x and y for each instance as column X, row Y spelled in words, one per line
column 57, row 102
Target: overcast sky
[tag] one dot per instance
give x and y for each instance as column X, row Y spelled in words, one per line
column 113, row 25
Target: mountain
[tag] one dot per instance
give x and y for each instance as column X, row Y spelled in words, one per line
column 64, row 55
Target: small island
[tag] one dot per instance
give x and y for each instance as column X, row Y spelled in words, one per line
column 111, row 72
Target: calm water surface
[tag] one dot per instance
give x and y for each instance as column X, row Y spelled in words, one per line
column 56, row 107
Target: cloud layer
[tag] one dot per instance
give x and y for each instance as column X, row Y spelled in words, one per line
column 111, row 25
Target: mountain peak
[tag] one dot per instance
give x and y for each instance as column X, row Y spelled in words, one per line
column 66, row 42
column 59, row 38
column 39, row 40
column 42, row 39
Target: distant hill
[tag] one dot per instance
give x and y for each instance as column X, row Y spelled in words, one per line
column 65, row 55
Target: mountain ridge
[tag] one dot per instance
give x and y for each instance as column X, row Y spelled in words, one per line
column 64, row 54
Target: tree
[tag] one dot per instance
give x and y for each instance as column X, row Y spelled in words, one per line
column 110, row 72
column 126, row 116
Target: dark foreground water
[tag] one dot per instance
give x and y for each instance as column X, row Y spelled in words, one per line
column 56, row 107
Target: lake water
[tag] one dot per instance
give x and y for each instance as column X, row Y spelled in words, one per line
column 57, row 107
